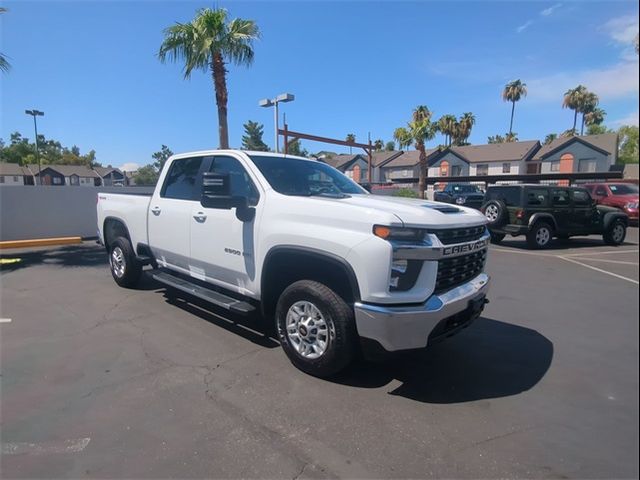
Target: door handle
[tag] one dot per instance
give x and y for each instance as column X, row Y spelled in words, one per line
column 200, row 217
column 156, row 211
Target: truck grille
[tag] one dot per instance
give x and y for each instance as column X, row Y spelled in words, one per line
column 459, row 235
column 458, row 270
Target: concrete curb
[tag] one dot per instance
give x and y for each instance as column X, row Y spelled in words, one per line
column 39, row 242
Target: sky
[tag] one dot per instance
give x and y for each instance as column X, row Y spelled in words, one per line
column 355, row 67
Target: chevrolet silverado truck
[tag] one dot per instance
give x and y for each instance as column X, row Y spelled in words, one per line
column 297, row 241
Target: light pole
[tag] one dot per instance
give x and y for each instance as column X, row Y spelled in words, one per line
column 36, row 113
column 282, row 98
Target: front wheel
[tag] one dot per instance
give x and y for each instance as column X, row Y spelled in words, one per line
column 316, row 328
column 616, row 233
column 540, row 235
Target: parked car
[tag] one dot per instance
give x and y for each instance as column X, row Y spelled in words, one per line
column 300, row 242
column 461, row 194
column 623, row 196
column 543, row 212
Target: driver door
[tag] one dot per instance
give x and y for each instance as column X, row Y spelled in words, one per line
column 223, row 246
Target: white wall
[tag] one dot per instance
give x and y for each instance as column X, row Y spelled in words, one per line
column 13, row 180
column 82, row 182
column 495, row 168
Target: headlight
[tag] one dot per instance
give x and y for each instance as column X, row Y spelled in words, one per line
column 461, row 200
column 397, row 233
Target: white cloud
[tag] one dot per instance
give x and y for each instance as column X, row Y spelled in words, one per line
column 524, row 26
column 549, row 11
column 129, row 167
column 611, row 82
column 622, row 29
column 631, row 119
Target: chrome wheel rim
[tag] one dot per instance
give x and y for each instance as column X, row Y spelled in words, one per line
column 307, row 330
column 118, row 264
column 543, row 235
column 618, row 233
column 491, row 213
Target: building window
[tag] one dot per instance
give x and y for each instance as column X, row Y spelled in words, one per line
column 482, row 169
column 57, row 181
column 405, row 173
column 456, row 170
column 555, row 166
column 1, row 178
column 74, row 180
column 587, row 165
column 506, row 168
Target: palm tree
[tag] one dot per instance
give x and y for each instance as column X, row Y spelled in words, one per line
column 511, row 137
column 594, row 117
column 378, row 145
column 588, row 103
column 5, row 66
column 446, row 125
column 572, row 100
column 513, row 92
column 206, row 43
column 421, row 130
column 351, row 138
column 402, row 136
column 462, row 128
column 550, row 138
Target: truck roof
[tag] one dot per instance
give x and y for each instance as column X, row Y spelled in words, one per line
column 202, row 153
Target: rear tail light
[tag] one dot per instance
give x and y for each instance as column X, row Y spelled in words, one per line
column 519, row 214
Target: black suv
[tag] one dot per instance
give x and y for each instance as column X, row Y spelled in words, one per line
column 461, row 194
column 542, row 212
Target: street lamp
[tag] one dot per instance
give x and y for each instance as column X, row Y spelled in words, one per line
column 282, row 98
column 36, row 113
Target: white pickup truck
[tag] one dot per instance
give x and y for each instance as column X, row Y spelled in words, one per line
column 297, row 240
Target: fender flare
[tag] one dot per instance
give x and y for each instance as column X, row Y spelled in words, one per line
column 114, row 219
column 610, row 217
column 542, row 216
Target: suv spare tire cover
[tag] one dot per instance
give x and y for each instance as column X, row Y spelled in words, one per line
column 501, row 210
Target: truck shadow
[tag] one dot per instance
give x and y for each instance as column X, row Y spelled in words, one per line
column 490, row 359
column 559, row 244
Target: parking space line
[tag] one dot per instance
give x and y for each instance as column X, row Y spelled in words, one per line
column 5, row 320
column 600, row 270
column 521, row 252
column 600, row 253
column 64, row 446
column 605, row 260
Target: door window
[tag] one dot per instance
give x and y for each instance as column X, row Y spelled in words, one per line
column 581, row 198
column 561, row 198
column 537, row 197
column 181, row 180
column 239, row 180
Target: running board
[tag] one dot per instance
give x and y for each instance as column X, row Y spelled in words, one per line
column 219, row 299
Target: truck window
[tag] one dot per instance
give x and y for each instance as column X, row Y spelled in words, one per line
column 181, row 179
column 538, row 197
column 239, row 180
column 581, row 198
column 560, row 198
column 509, row 195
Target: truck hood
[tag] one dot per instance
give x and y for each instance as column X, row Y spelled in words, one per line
column 418, row 213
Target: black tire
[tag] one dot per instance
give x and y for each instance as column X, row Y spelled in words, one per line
column 495, row 211
column 125, row 269
column 340, row 328
column 616, row 233
column 497, row 238
column 537, row 239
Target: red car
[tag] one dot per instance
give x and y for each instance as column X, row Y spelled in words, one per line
column 619, row 195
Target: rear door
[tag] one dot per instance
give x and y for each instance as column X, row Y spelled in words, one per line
column 169, row 216
column 222, row 246
column 561, row 208
column 581, row 219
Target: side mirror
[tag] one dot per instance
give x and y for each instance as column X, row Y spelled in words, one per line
column 216, row 193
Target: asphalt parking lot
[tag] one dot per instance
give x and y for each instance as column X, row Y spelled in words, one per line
column 98, row 381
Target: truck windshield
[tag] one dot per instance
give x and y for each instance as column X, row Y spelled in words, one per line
column 292, row 176
column 623, row 189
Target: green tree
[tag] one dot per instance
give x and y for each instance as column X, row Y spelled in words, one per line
column 513, row 92
column 628, row 144
column 252, row 138
column 511, row 137
column 550, row 138
column 462, row 128
column 5, row 66
column 588, row 105
column 161, row 157
column 147, row 175
column 420, row 130
column 573, row 99
column 207, row 43
column 497, row 138
column 446, row 125
column 378, row 145
column 598, row 129
column 351, row 138
column 390, row 146
column 593, row 117
column 295, row 148
column 403, row 137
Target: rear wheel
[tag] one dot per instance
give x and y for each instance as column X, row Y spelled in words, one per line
column 540, row 235
column 125, row 269
column 316, row 328
column 616, row 233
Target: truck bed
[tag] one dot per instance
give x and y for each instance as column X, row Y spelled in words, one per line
column 130, row 208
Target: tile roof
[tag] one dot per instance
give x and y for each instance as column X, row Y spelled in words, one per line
column 13, row 169
column 384, row 156
column 496, row 152
column 409, row 158
column 337, row 161
column 103, row 171
column 68, row 170
column 606, row 141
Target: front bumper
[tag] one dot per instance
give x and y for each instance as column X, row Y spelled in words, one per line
column 409, row 327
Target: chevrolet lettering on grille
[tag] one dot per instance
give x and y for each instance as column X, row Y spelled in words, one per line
column 464, row 248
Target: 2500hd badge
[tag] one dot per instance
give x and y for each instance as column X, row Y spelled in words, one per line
column 464, row 248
